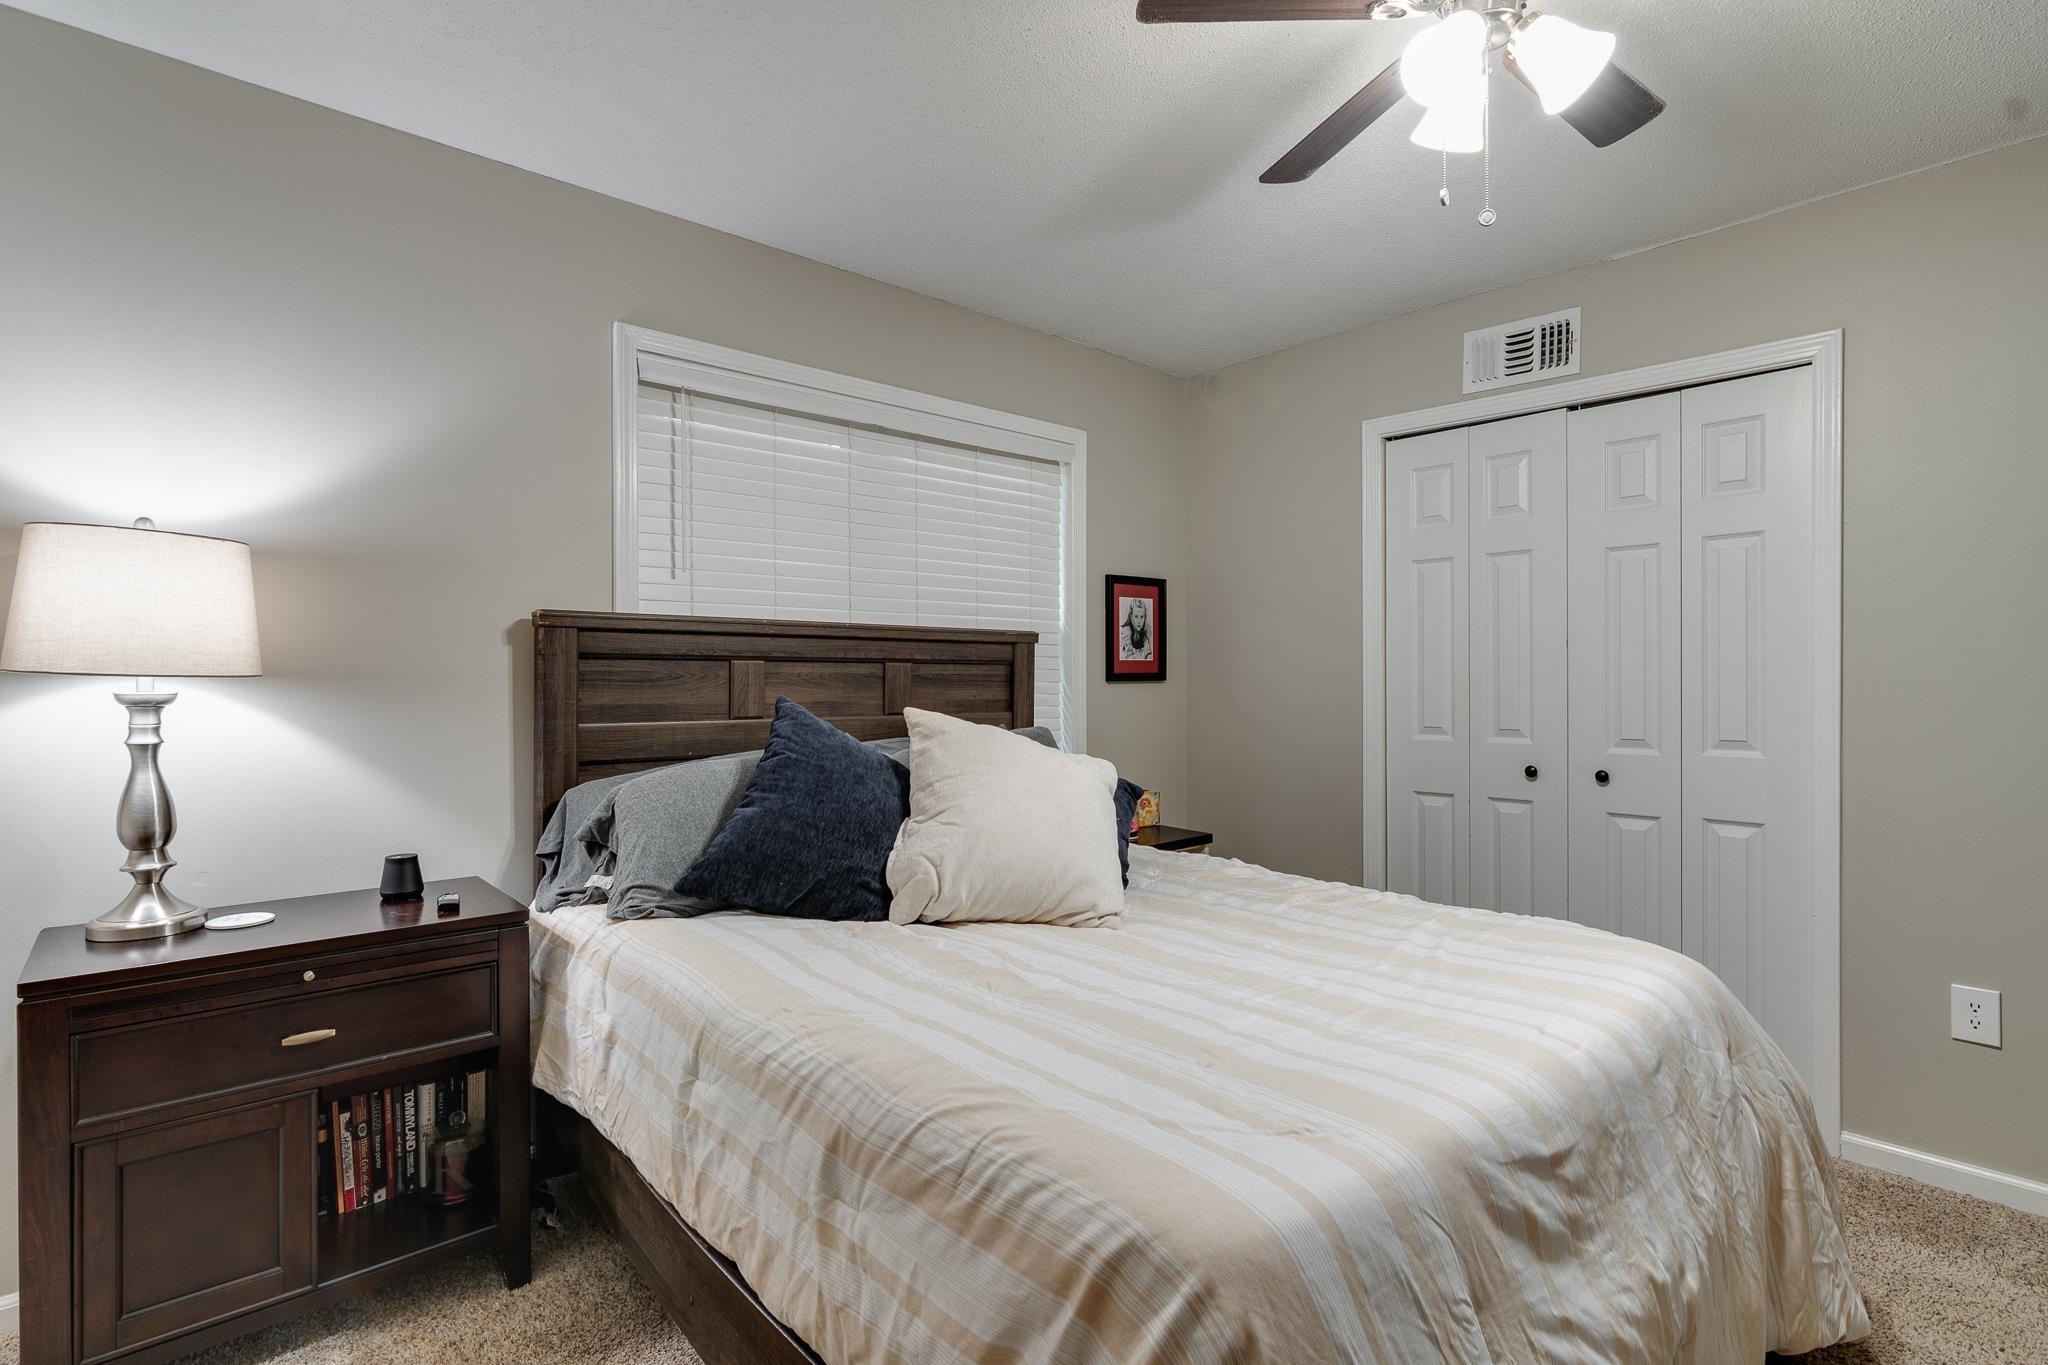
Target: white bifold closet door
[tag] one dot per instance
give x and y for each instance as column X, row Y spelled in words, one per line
column 1625, row 694
column 1518, row 664
column 1429, row 682
column 1476, row 712
column 1599, row 679
column 1747, row 623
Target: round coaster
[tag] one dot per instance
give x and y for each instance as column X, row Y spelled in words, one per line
column 247, row 919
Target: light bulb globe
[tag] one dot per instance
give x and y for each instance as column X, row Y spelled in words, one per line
column 1445, row 64
column 1560, row 59
column 1449, row 129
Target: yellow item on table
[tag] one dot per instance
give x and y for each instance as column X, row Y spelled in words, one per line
column 1148, row 810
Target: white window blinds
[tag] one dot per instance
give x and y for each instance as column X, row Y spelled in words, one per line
column 754, row 511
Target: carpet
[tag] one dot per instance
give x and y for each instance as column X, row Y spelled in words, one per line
column 1950, row 1280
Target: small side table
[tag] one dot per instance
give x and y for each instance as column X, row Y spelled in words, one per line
column 1174, row 839
column 170, row 1097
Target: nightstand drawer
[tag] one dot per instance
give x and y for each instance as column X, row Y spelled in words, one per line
column 139, row 1066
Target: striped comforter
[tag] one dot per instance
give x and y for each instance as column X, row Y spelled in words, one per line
column 1269, row 1119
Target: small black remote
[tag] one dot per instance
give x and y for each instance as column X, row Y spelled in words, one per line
column 449, row 903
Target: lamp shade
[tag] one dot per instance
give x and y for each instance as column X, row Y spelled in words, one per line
column 1445, row 64
column 128, row 600
column 1561, row 59
column 1451, row 129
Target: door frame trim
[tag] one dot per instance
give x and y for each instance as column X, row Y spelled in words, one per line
column 1822, row 351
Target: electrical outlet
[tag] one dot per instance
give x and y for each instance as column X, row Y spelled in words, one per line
column 1973, row 1015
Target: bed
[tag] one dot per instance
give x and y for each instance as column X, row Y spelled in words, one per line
column 1268, row 1119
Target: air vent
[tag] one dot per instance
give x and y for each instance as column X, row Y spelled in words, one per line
column 1519, row 352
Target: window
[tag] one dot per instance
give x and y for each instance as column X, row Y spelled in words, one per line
column 750, row 487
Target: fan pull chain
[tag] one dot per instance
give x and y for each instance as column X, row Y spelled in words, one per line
column 1443, row 193
column 1486, row 214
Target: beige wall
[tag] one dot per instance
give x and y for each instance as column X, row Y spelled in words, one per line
column 1940, row 285
column 388, row 365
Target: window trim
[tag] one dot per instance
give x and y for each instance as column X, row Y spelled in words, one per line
column 640, row 354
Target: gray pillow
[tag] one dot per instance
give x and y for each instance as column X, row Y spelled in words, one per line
column 897, row 748
column 656, row 824
column 567, row 865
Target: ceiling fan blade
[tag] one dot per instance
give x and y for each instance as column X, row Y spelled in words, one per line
column 1615, row 105
column 1334, row 133
column 1229, row 11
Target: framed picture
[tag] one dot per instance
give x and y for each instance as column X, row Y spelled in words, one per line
column 1135, row 612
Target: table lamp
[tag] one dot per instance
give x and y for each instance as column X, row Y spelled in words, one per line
column 148, row 604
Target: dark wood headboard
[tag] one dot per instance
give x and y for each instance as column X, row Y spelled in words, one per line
column 616, row 692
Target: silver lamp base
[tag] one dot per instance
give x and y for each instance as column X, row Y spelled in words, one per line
column 145, row 823
column 146, row 912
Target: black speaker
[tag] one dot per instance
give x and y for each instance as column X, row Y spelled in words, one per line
column 402, row 881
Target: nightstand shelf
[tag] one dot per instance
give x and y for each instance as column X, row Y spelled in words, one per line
column 170, row 1097
column 1174, row 839
column 409, row 1231
column 408, row 1228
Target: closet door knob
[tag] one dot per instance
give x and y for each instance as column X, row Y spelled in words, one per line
column 1530, row 772
column 1600, row 777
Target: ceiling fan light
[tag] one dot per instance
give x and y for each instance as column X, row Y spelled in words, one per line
column 1561, row 59
column 1445, row 63
column 1450, row 129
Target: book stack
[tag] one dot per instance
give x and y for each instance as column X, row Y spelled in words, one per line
column 379, row 1145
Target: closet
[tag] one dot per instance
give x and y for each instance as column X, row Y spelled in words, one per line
column 1599, row 692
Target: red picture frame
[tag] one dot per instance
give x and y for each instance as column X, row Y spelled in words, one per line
column 1134, row 616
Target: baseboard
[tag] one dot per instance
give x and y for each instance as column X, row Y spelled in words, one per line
column 10, row 1315
column 2013, row 1191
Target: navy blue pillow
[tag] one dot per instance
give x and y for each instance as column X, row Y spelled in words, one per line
column 1127, row 794
column 811, row 836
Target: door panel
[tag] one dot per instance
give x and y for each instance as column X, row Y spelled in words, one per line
column 1438, row 854
column 238, row 1185
column 1428, row 676
column 1747, row 612
column 1623, row 601
column 1517, row 555
column 1635, row 865
column 1515, row 860
column 1633, row 625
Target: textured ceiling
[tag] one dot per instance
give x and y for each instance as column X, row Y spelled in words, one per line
column 1056, row 163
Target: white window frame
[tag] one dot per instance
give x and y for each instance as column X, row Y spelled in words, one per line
column 642, row 355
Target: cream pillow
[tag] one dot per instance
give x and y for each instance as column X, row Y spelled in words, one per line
column 1003, row 828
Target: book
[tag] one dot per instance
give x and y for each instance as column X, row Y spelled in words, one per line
column 323, row 1142
column 380, row 1156
column 359, row 1125
column 344, row 1159
column 408, row 1139
column 390, row 1147
column 476, row 1105
column 428, row 1131
column 449, row 1095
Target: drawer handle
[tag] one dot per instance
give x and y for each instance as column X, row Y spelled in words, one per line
column 311, row 1035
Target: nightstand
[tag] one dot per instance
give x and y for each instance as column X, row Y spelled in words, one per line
column 170, row 1094
column 1174, row 839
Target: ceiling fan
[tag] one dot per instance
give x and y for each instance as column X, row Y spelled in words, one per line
column 1445, row 68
